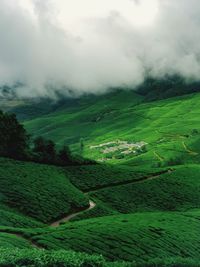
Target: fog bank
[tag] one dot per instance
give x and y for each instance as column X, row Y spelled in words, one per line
column 74, row 48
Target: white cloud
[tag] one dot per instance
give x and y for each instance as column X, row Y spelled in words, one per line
column 91, row 45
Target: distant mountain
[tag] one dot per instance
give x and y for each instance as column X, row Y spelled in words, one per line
column 154, row 89
column 150, row 90
column 7, row 92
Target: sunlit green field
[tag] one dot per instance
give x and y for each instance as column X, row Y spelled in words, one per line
column 170, row 127
column 147, row 203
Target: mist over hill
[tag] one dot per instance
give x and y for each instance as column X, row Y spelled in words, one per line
column 120, row 44
column 99, row 133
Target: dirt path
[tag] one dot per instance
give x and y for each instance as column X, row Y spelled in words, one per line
column 188, row 150
column 67, row 218
column 158, row 156
column 92, row 204
column 135, row 181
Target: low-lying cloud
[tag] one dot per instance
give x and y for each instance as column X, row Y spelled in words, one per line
column 117, row 47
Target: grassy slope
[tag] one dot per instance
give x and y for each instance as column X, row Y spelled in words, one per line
column 91, row 117
column 154, row 231
column 63, row 258
column 165, row 222
column 167, row 192
column 139, row 236
column 39, row 191
column 93, row 177
column 11, row 241
column 10, row 217
column 165, row 125
column 42, row 258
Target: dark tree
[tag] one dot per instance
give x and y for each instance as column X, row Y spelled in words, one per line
column 44, row 150
column 81, row 145
column 13, row 137
column 39, row 145
column 14, row 143
column 64, row 156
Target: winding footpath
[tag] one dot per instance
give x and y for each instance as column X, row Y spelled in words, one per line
column 135, row 181
column 92, row 205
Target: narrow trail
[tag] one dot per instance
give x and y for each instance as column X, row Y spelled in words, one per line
column 188, row 150
column 158, row 156
column 92, row 205
column 55, row 224
column 135, row 181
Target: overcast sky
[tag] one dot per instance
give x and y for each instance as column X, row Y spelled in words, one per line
column 92, row 45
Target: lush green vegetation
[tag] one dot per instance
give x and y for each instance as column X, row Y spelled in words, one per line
column 63, row 258
column 14, row 143
column 169, row 127
column 147, row 197
column 39, row 191
column 170, row 191
column 39, row 258
column 91, row 177
column 10, row 217
column 13, row 137
column 12, row 241
column 165, row 192
column 139, row 236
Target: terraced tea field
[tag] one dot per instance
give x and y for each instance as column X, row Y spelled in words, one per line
column 142, row 208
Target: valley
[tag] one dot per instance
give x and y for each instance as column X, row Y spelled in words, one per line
column 168, row 129
column 99, row 133
column 139, row 204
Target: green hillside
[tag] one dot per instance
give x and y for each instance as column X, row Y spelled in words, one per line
column 11, row 242
column 160, row 207
column 140, row 204
column 39, row 191
column 91, row 177
column 170, row 191
column 139, row 236
column 34, row 257
column 11, row 217
column 169, row 128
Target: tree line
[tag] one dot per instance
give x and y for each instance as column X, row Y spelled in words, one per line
column 16, row 143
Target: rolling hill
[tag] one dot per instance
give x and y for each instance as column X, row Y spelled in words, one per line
column 124, row 128
column 41, row 192
column 140, row 236
column 145, row 190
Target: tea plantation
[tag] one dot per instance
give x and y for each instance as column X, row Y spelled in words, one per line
column 13, row 241
column 145, row 209
column 170, row 191
column 139, row 236
column 39, row 191
column 94, row 177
